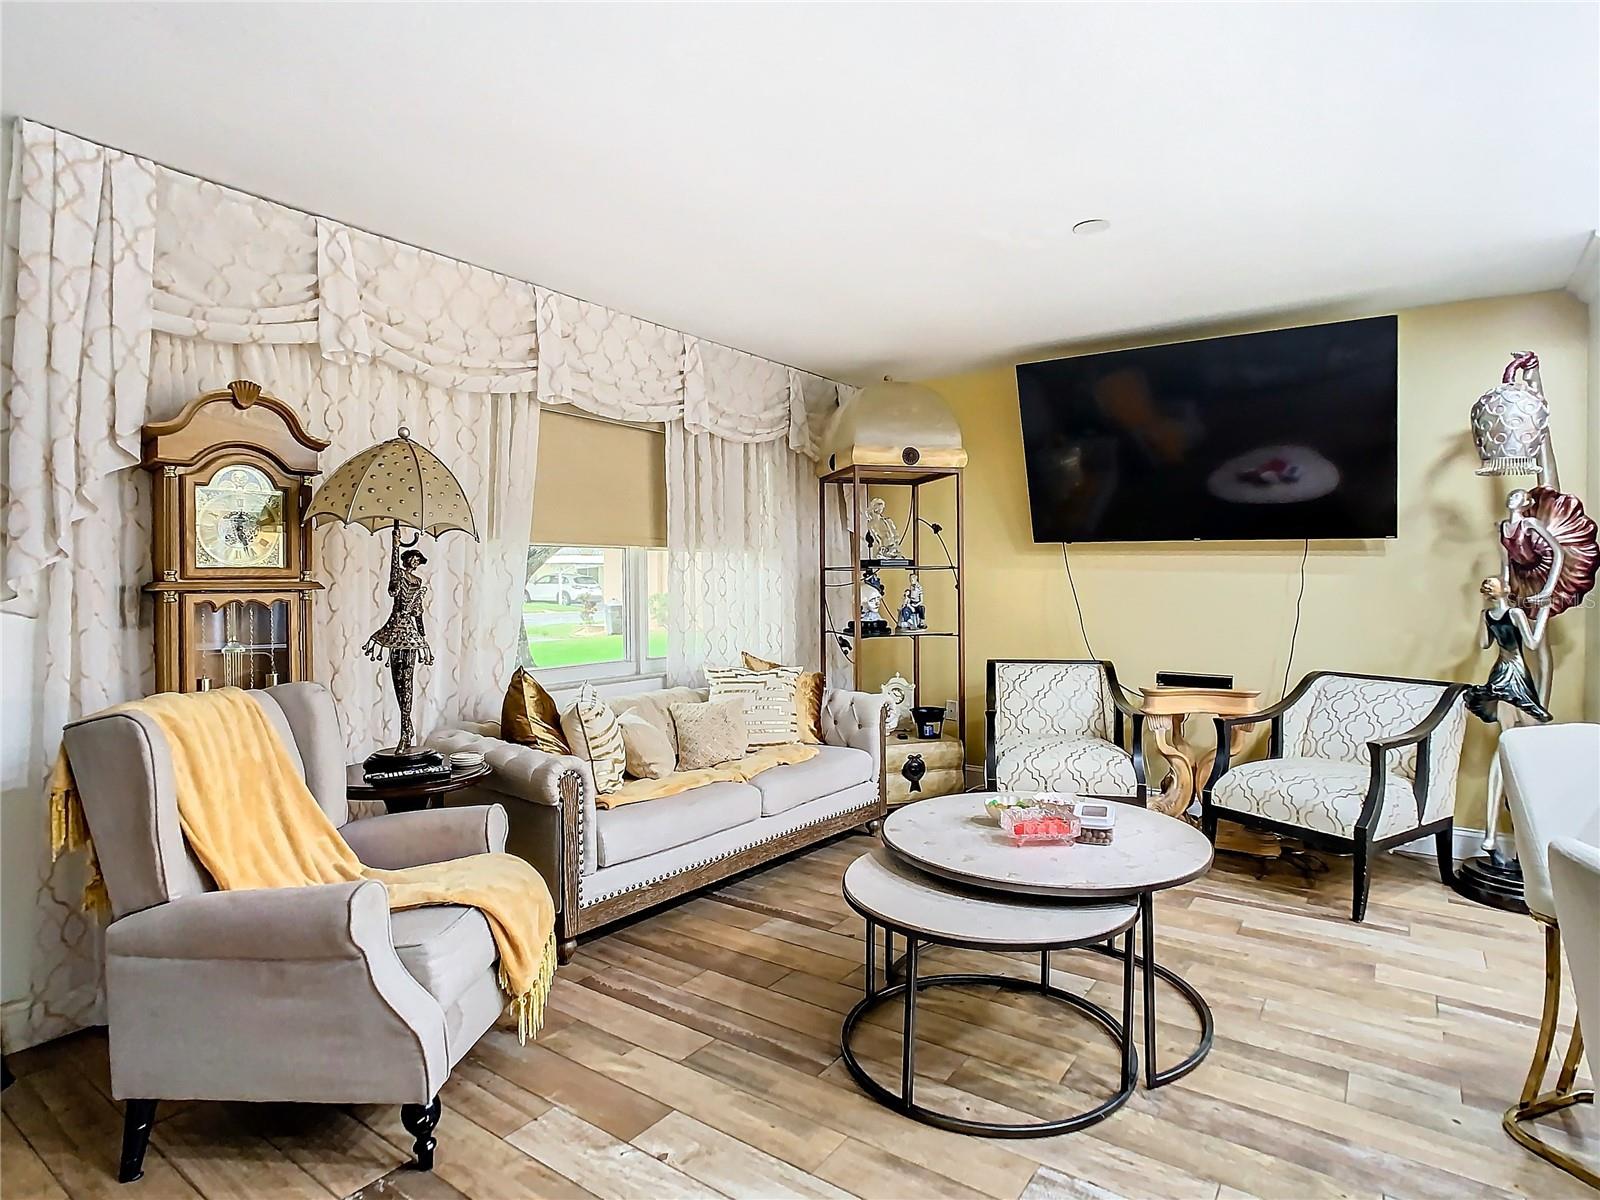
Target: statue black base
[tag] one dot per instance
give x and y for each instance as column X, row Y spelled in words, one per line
column 1490, row 881
column 408, row 760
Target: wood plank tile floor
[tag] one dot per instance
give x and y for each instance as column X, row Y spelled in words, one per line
column 695, row 1053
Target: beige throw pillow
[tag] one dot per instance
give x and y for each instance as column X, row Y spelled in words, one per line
column 769, row 701
column 647, row 752
column 593, row 733
column 807, row 699
column 710, row 733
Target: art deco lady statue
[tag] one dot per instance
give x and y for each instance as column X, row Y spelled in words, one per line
column 1548, row 549
column 403, row 639
column 1507, row 628
column 1510, row 696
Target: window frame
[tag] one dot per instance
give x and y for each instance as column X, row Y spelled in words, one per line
column 636, row 662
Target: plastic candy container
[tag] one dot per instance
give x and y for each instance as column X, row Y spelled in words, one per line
column 1040, row 823
column 997, row 802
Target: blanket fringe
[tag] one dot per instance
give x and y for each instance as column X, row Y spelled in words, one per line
column 528, row 1008
column 69, row 832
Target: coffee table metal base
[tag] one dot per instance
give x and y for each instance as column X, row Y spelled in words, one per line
column 1150, row 970
column 906, row 991
column 1154, row 1077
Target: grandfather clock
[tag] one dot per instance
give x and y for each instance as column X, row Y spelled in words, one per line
column 232, row 552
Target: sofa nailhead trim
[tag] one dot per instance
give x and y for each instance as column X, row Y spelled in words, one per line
column 585, row 902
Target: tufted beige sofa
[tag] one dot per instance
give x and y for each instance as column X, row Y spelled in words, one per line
column 606, row 864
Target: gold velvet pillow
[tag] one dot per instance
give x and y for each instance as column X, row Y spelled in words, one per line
column 530, row 717
column 807, row 699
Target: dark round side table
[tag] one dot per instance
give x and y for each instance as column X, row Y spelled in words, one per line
column 411, row 796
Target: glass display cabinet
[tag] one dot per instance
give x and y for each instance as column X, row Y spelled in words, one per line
column 232, row 554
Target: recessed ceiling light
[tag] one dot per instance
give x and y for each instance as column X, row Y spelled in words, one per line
column 1093, row 225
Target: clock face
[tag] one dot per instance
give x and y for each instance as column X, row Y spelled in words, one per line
column 239, row 521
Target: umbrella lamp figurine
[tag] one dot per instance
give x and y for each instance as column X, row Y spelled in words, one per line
column 398, row 485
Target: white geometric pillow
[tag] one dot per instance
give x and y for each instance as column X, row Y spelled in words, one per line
column 593, row 733
column 769, row 700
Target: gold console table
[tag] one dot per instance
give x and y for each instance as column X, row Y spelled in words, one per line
column 1165, row 710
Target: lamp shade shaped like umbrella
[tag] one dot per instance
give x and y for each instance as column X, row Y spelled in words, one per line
column 398, row 484
column 397, row 481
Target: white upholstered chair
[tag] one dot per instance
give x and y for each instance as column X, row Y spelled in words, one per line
column 1062, row 725
column 1550, row 774
column 1575, row 883
column 1355, row 764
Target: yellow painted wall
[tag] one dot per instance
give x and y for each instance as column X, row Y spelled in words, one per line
column 1406, row 606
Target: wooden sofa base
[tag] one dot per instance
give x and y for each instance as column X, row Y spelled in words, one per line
column 575, row 921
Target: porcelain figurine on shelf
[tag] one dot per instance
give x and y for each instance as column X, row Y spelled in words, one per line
column 913, row 612
column 873, row 623
column 883, row 535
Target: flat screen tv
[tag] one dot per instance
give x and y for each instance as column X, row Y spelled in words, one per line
column 1288, row 434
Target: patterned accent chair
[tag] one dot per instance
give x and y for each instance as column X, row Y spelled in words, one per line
column 1356, row 763
column 1060, row 725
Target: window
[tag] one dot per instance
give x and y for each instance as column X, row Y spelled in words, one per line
column 595, row 612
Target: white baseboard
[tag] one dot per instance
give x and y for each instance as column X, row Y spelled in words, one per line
column 1468, row 844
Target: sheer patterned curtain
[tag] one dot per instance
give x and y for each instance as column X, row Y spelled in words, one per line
column 742, row 553
column 80, row 237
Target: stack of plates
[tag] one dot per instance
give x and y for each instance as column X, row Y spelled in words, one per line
column 463, row 760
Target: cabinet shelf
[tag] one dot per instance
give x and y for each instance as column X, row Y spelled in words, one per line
column 898, row 633
column 898, row 567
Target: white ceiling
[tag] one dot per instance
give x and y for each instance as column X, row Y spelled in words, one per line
column 859, row 189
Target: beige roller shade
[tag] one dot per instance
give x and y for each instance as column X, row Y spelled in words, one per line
column 599, row 483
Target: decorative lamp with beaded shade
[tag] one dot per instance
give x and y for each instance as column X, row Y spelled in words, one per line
column 398, row 484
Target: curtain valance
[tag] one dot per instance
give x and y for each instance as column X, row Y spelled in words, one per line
column 233, row 268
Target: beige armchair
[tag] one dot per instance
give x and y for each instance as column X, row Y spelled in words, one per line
column 316, row 994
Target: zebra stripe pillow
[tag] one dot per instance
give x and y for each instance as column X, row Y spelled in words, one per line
column 769, row 700
column 593, row 733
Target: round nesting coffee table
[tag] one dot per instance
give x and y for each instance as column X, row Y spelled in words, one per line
column 923, row 910
column 952, row 837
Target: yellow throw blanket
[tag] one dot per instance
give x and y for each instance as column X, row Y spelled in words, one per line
column 253, row 823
